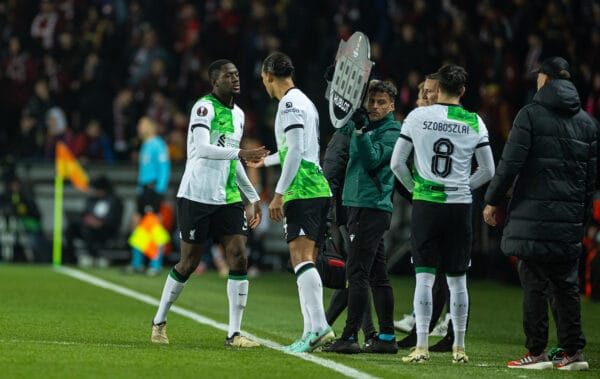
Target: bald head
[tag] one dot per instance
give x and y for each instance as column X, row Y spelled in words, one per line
column 147, row 128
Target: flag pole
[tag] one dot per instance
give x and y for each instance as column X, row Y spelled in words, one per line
column 58, row 213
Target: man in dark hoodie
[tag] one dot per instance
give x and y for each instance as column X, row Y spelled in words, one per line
column 552, row 153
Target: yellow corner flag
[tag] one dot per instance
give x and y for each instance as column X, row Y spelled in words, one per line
column 149, row 236
column 68, row 167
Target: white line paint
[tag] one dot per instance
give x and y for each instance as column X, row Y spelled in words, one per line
column 67, row 343
column 335, row 366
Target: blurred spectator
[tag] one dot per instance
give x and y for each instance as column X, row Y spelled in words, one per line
column 592, row 103
column 57, row 130
column 176, row 143
column 20, row 204
column 155, row 80
column 408, row 93
column 58, row 77
column 124, row 123
column 188, row 28
column 405, row 40
column 17, row 75
column 160, row 109
column 149, row 51
column 94, row 94
column 29, row 141
column 176, row 140
column 39, row 103
column 45, row 25
column 92, row 144
column 496, row 114
column 99, row 222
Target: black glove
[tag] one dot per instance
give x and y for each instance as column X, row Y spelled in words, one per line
column 329, row 71
column 360, row 118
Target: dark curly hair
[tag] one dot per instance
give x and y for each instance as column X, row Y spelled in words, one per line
column 384, row 86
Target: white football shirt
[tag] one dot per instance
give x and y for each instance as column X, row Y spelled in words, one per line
column 295, row 110
column 444, row 139
column 213, row 181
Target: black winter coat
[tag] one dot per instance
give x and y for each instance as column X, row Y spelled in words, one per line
column 334, row 169
column 335, row 162
column 552, row 153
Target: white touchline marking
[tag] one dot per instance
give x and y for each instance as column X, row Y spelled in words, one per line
column 335, row 366
column 67, row 343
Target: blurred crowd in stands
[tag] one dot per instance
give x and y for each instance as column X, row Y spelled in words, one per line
column 84, row 71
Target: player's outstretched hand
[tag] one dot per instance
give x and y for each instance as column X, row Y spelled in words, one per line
column 256, row 164
column 256, row 215
column 253, row 155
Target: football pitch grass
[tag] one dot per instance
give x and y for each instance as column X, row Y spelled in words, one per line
column 96, row 324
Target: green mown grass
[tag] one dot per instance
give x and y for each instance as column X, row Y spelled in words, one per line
column 55, row 326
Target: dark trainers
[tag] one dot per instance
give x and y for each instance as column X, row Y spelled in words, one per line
column 370, row 341
column 556, row 354
column 539, row 362
column 443, row 345
column 408, row 342
column 377, row 346
column 576, row 362
column 342, row 346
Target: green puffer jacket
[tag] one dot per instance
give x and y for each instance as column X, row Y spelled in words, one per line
column 371, row 152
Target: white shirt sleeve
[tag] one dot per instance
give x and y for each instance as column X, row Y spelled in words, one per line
column 486, row 169
column 208, row 151
column 244, row 183
column 293, row 158
column 400, row 154
column 485, row 159
column 272, row 160
column 201, row 118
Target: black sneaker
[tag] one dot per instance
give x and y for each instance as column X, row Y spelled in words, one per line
column 408, row 342
column 370, row 339
column 377, row 346
column 443, row 345
column 342, row 346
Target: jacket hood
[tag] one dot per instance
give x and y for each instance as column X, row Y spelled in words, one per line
column 559, row 95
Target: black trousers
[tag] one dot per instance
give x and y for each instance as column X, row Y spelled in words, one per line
column 339, row 297
column 561, row 278
column 339, row 302
column 366, row 267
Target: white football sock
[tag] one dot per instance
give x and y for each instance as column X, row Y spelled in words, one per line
column 423, row 305
column 170, row 293
column 237, row 293
column 311, row 287
column 305, row 315
column 459, row 307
